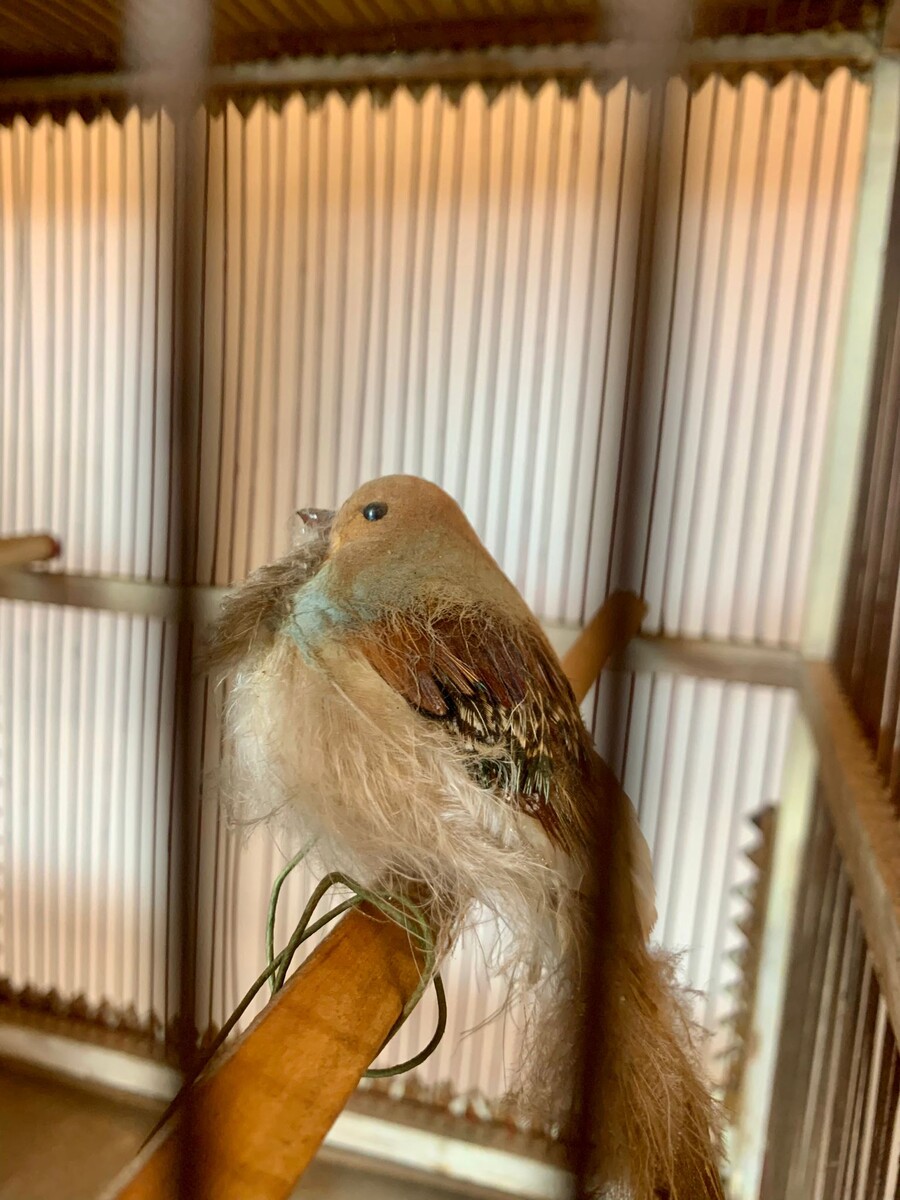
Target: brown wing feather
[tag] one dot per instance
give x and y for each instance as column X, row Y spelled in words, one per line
column 493, row 689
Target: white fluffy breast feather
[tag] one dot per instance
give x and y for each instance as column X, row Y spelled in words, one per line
column 387, row 795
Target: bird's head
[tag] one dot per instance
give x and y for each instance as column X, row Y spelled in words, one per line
column 387, row 513
column 401, row 541
column 398, row 543
column 393, row 536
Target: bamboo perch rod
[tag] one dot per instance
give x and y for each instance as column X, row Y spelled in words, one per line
column 260, row 1116
column 32, row 547
column 263, row 1110
column 617, row 622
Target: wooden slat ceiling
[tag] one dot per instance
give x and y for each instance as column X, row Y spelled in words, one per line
column 61, row 37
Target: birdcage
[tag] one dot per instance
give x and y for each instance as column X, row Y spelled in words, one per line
column 623, row 279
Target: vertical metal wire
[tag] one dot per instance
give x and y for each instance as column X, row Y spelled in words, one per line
column 796, row 552
column 368, row 290
column 506, row 422
column 667, row 358
column 595, row 1045
column 439, row 439
column 50, row 642
column 184, row 431
column 186, row 60
column 154, row 486
column 584, row 613
column 88, row 694
column 538, row 326
column 493, row 365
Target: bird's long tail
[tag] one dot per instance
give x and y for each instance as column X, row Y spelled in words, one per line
column 654, row 1128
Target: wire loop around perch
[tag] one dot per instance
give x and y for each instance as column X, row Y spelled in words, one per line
column 397, row 908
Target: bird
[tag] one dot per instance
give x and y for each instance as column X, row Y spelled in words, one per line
column 390, row 686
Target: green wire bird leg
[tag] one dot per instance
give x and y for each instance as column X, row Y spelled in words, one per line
column 398, row 909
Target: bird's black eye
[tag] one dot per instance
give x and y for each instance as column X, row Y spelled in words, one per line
column 375, row 511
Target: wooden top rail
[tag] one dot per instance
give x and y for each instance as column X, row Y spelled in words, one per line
column 31, row 547
column 865, row 822
column 259, row 1116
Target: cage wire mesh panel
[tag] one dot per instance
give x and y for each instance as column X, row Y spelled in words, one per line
column 86, row 291
column 442, row 285
column 835, row 1124
column 834, row 1128
column 868, row 657
column 87, row 772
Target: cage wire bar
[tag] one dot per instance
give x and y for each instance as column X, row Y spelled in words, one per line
column 634, row 474
column 835, row 1119
column 868, row 652
column 180, row 517
column 174, row 38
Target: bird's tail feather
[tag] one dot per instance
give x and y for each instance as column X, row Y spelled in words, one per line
column 655, row 1129
column 658, row 1128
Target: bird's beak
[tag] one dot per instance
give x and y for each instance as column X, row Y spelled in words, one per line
column 316, row 518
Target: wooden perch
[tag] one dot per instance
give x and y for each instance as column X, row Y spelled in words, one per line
column 259, row 1116
column 258, row 1119
column 617, row 622
column 32, row 547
